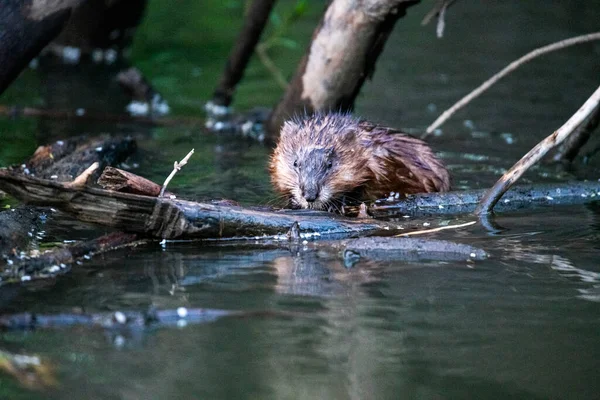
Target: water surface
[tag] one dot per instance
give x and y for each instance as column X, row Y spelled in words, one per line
column 523, row 324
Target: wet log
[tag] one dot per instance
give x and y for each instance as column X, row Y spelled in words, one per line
column 55, row 261
column 465, row 202
column 254, row 23
column 122, row 181
column 408, row 249
column 570, row 148
column 60, row 161
column 27, row 27
column 168, row 218
column 343, row 52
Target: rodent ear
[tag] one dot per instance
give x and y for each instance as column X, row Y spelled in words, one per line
column 348, row 134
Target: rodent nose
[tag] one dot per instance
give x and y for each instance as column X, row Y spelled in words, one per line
column 310, row 195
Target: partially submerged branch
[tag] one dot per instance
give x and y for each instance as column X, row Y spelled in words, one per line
column 464, row 202
column 534, row 155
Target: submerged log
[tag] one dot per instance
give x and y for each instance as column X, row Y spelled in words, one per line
column 408, row 249
column 343, row 52
column 465, row 202
column 55, row 261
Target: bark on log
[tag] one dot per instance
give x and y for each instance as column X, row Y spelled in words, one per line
column 60, row 161
column 179, row 219
column 342, row 55
column 254, row 23
column 126, row 182
column 570, row 148
column 27, row 27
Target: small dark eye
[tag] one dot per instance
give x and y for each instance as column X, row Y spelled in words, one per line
column 295, row 163
column 329, row 164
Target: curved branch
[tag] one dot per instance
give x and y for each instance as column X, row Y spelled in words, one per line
column 508, row 69
column 534, row 155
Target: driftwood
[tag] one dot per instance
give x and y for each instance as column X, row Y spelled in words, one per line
column 60, row 161
column 534, row 155
column 255, row 21
column 343, row 52
column 122, row 181
column 168, row 218
column 27, row 26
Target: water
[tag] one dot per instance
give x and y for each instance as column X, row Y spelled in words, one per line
column 523, row 324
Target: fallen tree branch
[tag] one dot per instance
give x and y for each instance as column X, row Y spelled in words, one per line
column 464, row 202
column 55, row 261
column 534, row 155
column 168, row 218
column 60, row 161
column 122, row 181
column 508, row 69
column 570, row 148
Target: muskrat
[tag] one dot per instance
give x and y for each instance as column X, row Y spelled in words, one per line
column 323, row 161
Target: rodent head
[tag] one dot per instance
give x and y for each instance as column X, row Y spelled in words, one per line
column 318, row 159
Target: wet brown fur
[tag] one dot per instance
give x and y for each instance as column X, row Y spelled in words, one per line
column 337, row 156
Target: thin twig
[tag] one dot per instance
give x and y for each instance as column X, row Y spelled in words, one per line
column 440, row 228
column 176, row 167
column 435, row 11
column 534, row 155
column 511, row 67
column 441, row 21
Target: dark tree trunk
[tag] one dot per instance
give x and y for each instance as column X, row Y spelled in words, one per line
column 254, row 24
column 26, row 27
column 342, row 55
column 102, row 24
